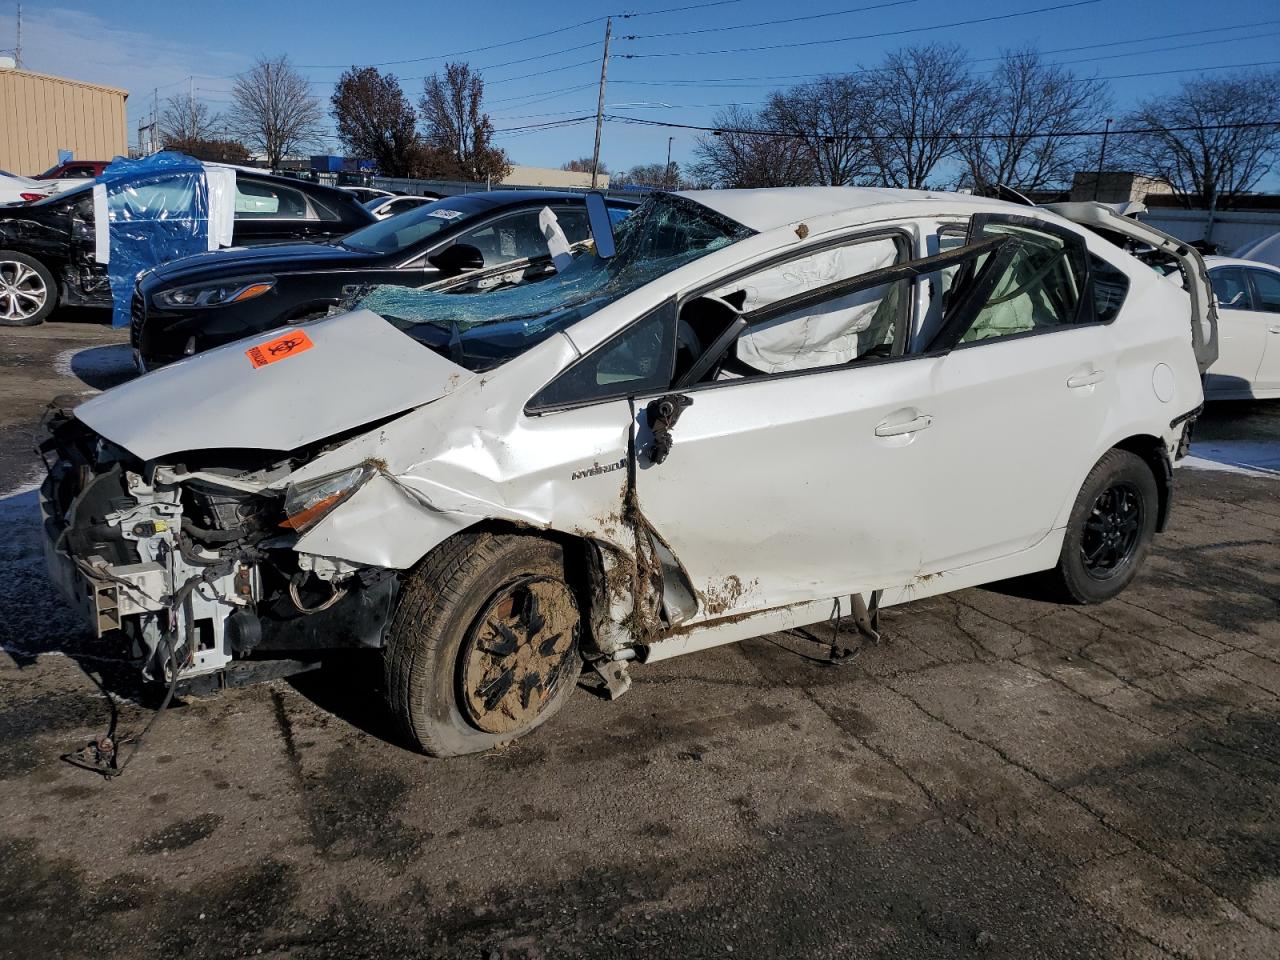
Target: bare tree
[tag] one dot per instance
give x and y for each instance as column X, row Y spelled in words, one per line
column 375, row 120
column 582, row 165
column 184, row 119
column 1233, row 143
column 1032, row 105
column 738, row 156
column 829, row 120
column 273, row 109
column 924, row 96
column 662, row 176
column 452, row 114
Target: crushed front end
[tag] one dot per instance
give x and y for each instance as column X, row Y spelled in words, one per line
column 193, row 558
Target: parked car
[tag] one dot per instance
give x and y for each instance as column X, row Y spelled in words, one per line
column 200, row 302
column 365, row 194
column 744, row 411
column 73, row 173
column 390, row 205
column 1248, row 364
column 17, row 189
column 50, row 242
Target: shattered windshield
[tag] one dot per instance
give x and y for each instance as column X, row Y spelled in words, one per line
column 481, row 330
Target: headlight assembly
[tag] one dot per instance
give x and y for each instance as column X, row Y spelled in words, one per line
column 308, row 502
column 215, row 294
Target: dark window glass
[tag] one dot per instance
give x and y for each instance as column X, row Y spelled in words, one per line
column 1266, row 290
column 638, row 360
column 1110, row 286
column 1230, row 287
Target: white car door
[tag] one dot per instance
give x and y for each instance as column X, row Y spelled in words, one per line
column 1021, row 391
column 1266, row 301
column 794, row 471
column 1242, row 333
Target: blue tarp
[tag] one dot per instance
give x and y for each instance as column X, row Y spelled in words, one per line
column 158, row 210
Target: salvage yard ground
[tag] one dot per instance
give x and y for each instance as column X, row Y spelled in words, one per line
column 1003, row 777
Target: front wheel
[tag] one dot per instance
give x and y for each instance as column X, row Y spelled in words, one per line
column 484, row 644
column 28, row 292
column 1110, row 530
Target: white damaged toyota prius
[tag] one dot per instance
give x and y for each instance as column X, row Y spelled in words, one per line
column 736, row 412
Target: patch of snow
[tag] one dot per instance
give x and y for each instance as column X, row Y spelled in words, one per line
column 1246, row 458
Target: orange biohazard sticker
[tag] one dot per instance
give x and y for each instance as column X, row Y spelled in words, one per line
column 285, row 345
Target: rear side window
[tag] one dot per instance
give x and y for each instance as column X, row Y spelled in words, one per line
column 1230, row 287
column 1040, row 285
column 259, row 200
column 1110, row 287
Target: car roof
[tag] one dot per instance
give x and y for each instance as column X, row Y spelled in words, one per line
column 504, row 197
column 774, row 207
column 1213, row 260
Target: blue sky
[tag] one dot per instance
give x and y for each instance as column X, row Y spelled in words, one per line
column 668, row 72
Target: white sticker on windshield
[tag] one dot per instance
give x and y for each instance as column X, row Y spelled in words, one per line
column 446, row 214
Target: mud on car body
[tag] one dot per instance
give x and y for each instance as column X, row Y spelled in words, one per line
column 765, row 407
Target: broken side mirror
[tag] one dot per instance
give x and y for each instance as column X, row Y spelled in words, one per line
column 457, row 258
column 601, row 225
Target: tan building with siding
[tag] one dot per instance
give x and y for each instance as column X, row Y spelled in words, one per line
column 40, row 115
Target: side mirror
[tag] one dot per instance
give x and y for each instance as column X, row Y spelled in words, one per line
column 456, row 259
column 601, row 225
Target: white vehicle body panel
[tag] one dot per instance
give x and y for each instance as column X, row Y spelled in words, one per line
column 12, row 187
column 782, row 495
column 360, row 369
column 1248, row 364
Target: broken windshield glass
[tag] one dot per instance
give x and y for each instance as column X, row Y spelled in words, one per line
column 481, row 330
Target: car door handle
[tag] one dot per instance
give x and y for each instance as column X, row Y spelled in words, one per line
column 887, row 429
column 1274, row 328
column 1086, row 379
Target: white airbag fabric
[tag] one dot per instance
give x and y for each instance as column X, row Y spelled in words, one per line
column 557, row 242
column 823, row 334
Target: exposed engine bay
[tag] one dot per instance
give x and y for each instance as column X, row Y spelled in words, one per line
column 194, row 563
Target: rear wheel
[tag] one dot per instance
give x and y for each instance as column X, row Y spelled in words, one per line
column 1110, row 531
column 28, row 293
column 484, row 645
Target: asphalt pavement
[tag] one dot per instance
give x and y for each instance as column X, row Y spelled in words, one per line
column 1001, row 777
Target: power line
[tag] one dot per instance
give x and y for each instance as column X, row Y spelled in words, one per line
column 456, row 53
column 771, row 23
column 1120, row 76
column 867, row 36
column 640, row 121
column 534, row 36
column 742, row 81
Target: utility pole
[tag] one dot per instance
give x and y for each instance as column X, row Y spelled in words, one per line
column 17, row 52
column 191, row 107
column 666, row 171
column 1102, row 156
column 604, row 70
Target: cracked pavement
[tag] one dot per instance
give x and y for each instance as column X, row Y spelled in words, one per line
column 1002, row 777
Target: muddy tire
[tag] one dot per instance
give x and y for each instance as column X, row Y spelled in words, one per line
column 1110, row 530
column 28, row 292
column 483, row 647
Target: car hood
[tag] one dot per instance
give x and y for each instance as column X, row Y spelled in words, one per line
column 341, row 373
column 270, row 258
